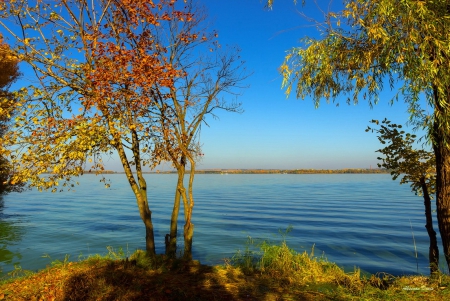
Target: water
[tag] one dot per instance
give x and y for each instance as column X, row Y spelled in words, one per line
column 366, row 221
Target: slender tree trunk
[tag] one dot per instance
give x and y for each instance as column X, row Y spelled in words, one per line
column 172, row 248
column 146, row 216
column 188, row 227
column 188, row 236
column 441, row 146
column 140, row 191
column 433, row 250
column 189, row 206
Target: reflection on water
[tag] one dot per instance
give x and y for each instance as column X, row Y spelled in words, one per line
column 9, row 235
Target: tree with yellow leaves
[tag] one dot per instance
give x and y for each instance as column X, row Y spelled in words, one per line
column 97, row 64
column 9, row 72
column 402, row 43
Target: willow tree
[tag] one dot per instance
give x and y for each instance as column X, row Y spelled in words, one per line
column 415, row 167
column 96, row 64
column 210, row 77
column 404, row 44
column 9, row 73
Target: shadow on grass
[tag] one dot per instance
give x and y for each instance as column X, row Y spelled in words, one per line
column 304, row 278
column 124, row 280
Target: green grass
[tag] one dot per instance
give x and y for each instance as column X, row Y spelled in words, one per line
column 306, row 272
column 262, row 271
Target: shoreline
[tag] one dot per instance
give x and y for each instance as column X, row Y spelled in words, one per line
column 276, row 273
column 264, row 171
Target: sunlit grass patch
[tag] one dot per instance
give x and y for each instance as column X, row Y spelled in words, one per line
column 263, row 271
column 287, row 267
column 278, row 266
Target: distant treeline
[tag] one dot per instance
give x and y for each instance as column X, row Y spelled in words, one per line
column 102, row 172
column 270, row 171
column 289, row 171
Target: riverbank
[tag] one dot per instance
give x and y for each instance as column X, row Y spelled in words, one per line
column 274, row 273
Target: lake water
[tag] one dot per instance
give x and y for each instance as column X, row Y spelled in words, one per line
column 359, row 220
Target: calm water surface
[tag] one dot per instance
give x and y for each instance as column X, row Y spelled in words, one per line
column 366, row 221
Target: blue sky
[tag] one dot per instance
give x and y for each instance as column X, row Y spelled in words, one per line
column 275, row 131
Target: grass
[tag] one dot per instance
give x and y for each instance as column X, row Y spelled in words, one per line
column 262, row 271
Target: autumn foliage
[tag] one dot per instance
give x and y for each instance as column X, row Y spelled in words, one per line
column 108, row 76
column 9, row 72
column 96, row 65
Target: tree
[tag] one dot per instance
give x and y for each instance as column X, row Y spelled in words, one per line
column 370, row 43
column 416, row 167
column 96, row 65
column 194, row 96
column 9, row 73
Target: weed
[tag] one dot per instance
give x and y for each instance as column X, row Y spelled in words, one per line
column 415, row 248
column 19, row 272
column 247, row 259
column 57, row 262
column 115, row 255
column 142, row 260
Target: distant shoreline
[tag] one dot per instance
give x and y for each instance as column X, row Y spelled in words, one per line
column 268, row 171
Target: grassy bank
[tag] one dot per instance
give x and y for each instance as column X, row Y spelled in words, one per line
column 271, row 272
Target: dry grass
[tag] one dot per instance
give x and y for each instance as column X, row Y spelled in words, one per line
column 275, row 273
column 99, row 279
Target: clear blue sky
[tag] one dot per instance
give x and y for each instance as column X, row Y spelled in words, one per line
column 276, row 132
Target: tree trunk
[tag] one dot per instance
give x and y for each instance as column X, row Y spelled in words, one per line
column 146, row 216
column 188, row 208
column 172, row 247
column 188, row 235
column 140, row 191
column 188, row 226
column 433, row 250
column 440, row 137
